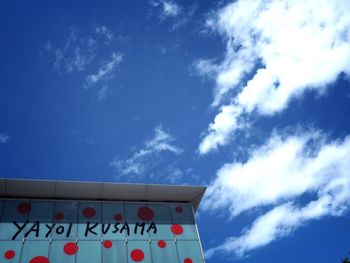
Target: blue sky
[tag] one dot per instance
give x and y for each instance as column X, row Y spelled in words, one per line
column 248, row 98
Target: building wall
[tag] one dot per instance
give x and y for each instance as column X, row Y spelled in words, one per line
column 33, row 231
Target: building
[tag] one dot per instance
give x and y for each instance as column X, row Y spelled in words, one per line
column 90, row 222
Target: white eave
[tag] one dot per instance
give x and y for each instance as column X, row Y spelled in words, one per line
column 46, row 189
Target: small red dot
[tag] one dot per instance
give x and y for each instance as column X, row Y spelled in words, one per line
column 89, row 212
column 10, row 254
column 137, row 255
column 59, row 216
column 188, row 260
column 177, row 229
column 145, row 213
column 70, row 248
column 161, row 244
column 179, row 209
column 118, row 217
column 107, row 244
column 39, row 259
column 24, row 208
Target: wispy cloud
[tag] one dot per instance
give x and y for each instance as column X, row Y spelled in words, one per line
column 278, row 174
column 267, row 64
column 147, row 156
column 80, row 53
column 168, row 8
column 4, row 138
column 103, row 31
column 105, row 71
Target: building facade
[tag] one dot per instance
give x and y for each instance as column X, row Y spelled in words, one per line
column 80, row 222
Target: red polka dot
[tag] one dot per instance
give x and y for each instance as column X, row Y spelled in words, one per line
column 59, row 216
column 39, row 259
column 24, row 208
column 179, row 209
column 145, row 213
column 10, row 254
column 118, row 217
column 177, row 229
column 137, row 255
column 89, row 212
column 161, row 244
column 70, row 248
column 188, row 260
column 107, row 244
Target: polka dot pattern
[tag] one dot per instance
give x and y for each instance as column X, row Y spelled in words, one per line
column 39, row 259
column 24, row 208
column 59, row 216
column 70, row 248
column 179, row 209
column 137, row 255
column 9, row 254
column 89, row 212
column 145, row 213
column 107, row 244
column 118, row 217
column 161, row 244
column 177, row 229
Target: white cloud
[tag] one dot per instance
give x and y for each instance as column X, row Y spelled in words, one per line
column 103, row 31
column 287, row 47
column 79, row 54
column 147, row 156
column 168, row 8
column 105, row 71
column 4, row 138
column 102, row 93
column 76, row 54
column 278, row 174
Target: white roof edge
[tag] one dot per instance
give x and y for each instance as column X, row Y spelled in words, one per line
column 84, row 190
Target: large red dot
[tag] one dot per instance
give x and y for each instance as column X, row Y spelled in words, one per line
column 137, row 255
column 118, row 217
column 161, row 244
column 70, row 248
column 10, row 254
column 188, row 260
column 59, row 216
column 177, row 229
column 107, row 244
column 145, row 213
column 24, row 208
column 89, row 212
column 39, row 259
column 179, row 209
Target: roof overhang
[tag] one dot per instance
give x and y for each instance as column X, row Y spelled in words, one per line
column 47, row 189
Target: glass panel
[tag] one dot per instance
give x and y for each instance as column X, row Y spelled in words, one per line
column 138, row 217
column 40, row 220
column 89, row 221
column 65, row 217
column 164, row 251
column 190, row 250
column 89, row 252
column 113, row 219
column 139, row 251
column 184, row 227
column 34, row 249
column 1, row 205
column 162, row 221
column 182, row 213
column 114, row 251
column 14, row 213
column 10, row 251
column 63, row 251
